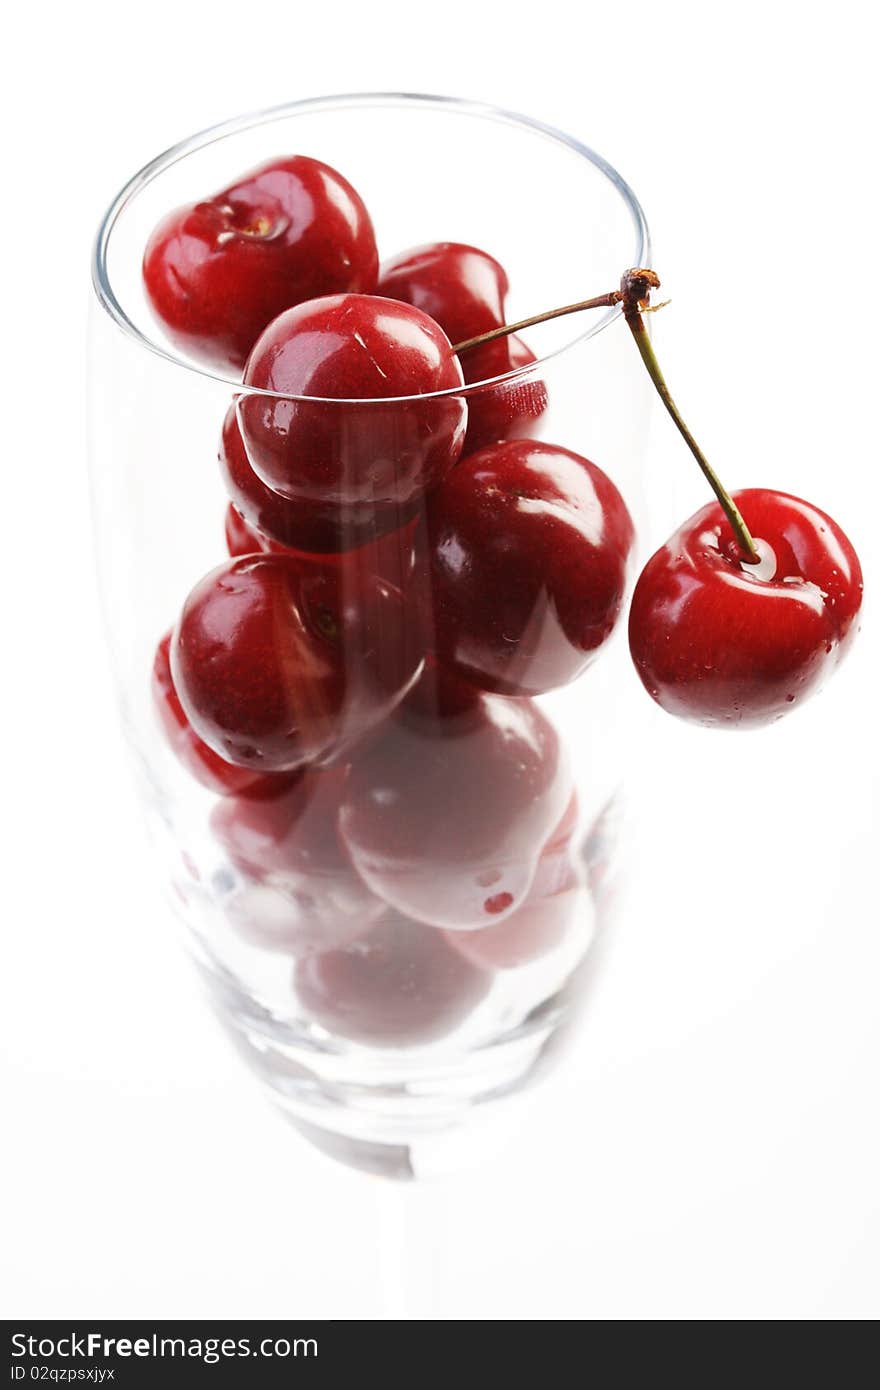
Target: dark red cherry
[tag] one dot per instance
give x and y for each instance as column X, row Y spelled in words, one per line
column 242, row 539
column 309, row 524
column 510, row 410
column 300, row 893
column 441, row 704
column 528, row 546
column 283, row 660
column 395, row 557
column 354, row 447
column 460, row 287
column 729, row 644
column 400, row 985
column 449, row 829
column 464, row 289
column 206, row 766
column 217, row 272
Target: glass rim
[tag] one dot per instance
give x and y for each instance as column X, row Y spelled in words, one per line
column 109, row 302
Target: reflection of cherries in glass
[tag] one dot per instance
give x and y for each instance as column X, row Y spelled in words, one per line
column 312, row 524
column 301, row 894
column 400, row 985
column 280, row 660
column 206, row 766
column 369, row 450
column 449, row 829
column 731, row 644
column 217, row 271
column 528, row 548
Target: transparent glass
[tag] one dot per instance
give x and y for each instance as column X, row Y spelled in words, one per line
column 379, row 1011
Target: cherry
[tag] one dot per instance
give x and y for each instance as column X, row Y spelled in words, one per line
column 460, row 287
column 282, row 660
column 528, row 551
column 206, row 766
column 509, row 410
column 448, row 828
column 464, row 289
column 218, row 271
column 367, row 451
column 724, row 642
column 242, row 539
column 301, row 893
column 395, row 557
column 307, row 524
column 401, row 985
column 441, row 704
column 706, row 641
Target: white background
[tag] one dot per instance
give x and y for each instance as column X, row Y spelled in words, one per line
column 711, row 1149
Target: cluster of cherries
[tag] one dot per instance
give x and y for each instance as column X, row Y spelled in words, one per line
column 409, row 567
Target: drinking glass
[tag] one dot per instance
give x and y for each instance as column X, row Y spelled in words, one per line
column 378, row 1019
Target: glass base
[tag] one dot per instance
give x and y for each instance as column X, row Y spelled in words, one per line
column 406, row 1113
column 400, row 1111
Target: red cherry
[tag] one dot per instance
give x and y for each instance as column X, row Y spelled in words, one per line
column 311, row 525
column 441, row 704
column 217, row 272
column 460, row 287
column 463, row 289
column 510, row 410
column 368, row 451
column 528, row 552
column 206, row 766
column 395, row 557
column 449, row 828
column 731, row 644
column 242, row 539
column 301, row 894
column 282, row 660
column 401, row 985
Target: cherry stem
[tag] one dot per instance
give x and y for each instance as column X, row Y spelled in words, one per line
column 635, row 289
column 633, row 296
column 601, row 301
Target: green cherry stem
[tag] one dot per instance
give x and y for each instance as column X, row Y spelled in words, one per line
column 635, row 290
column 634, row 298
